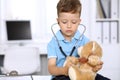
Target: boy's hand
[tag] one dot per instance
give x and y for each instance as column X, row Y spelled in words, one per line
column 98, row 67
column 70, row 60
column 66, row 70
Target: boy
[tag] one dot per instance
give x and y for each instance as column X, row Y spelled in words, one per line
column 69, row 12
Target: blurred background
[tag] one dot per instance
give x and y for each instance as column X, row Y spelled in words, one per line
column 101, row 18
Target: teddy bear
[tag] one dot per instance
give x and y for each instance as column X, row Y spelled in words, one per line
column 90, row 55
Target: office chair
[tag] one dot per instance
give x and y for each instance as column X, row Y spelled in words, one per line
column 22, row 60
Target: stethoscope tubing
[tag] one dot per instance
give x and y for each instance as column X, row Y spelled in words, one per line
column 74, row 47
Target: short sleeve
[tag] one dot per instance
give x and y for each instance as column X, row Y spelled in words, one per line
column 51, row 51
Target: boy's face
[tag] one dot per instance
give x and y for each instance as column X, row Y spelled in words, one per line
column 68, row 23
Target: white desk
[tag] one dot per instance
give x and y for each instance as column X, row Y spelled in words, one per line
column 34, row 77
column 41, row 77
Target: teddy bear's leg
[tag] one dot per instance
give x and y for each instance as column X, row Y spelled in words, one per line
column 74, row 73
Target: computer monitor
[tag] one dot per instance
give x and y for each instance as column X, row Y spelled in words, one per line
column 18, row 31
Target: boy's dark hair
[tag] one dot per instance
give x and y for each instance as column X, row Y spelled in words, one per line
column 72, row 6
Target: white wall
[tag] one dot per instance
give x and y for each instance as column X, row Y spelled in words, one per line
column 111, row 57
column 33, row 10
column 24, row 10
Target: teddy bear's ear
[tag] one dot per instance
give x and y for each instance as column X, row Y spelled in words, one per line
column 80, row 50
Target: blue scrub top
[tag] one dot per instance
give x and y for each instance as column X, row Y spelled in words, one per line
column 54, row 51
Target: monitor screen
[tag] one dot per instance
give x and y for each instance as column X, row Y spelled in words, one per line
column 18, row 30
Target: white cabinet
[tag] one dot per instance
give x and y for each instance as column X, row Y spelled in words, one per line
column 107, row 32
column 107, row 22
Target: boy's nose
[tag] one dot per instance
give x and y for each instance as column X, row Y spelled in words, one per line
column 69, row 25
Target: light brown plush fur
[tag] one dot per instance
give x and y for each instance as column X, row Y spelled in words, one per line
column 90, row 55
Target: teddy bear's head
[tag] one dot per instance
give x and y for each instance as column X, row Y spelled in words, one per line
column 90, row 52
column 90, row 55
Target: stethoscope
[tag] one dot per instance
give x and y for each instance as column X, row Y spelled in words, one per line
column 74, row 47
